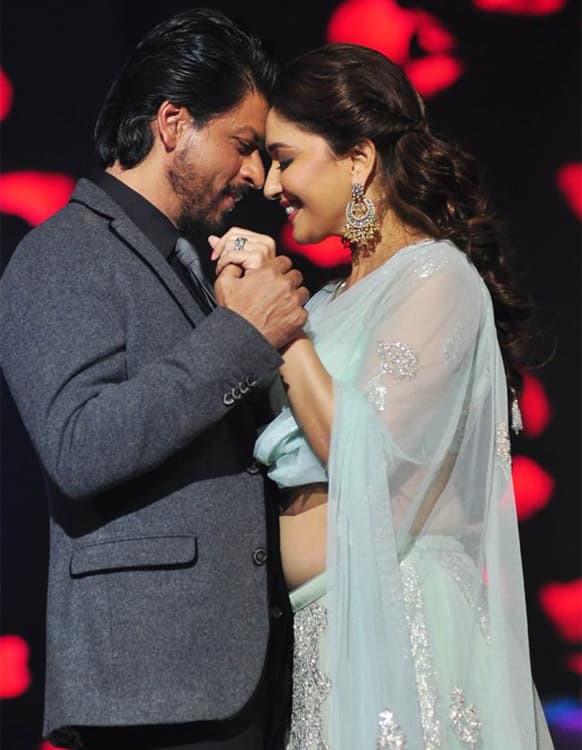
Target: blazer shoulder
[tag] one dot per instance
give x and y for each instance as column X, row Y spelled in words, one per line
column 63, row 231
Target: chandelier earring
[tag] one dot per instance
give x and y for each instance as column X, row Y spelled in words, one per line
column 362, row 230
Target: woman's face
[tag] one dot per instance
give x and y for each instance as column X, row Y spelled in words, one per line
column 311, row 183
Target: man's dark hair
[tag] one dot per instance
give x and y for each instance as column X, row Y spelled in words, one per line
column 199, row 60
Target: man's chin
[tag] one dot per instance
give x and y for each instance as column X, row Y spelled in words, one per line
column 200, row 227
column 214, row 226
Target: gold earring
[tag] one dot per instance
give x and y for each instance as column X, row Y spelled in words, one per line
column 362, row 231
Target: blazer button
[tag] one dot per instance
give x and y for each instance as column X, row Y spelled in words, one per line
column 236, row 393
column 250, row 380
column 254, row 468
column 260, row 556
column 276, row 612
column 228, row 399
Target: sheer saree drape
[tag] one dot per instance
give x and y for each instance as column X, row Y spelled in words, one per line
column 428, row 643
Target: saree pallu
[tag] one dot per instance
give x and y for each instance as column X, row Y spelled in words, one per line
column 419, row 453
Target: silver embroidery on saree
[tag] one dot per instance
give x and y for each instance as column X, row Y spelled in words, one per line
column 310, row 686
column 426, row 684
column 390, row 735
column 502, row 444
column 465, row 720
column 397, row 360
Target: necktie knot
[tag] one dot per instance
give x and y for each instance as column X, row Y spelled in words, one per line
column 186, row 253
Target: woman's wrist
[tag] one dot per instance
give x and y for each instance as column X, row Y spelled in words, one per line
column 301, row 336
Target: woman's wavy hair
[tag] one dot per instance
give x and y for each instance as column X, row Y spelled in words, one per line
column 347, row 93
column 198, row 59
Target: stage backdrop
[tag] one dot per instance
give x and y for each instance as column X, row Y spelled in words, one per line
column 502, row 77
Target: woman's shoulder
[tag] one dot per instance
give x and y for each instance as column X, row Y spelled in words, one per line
column 442, row 260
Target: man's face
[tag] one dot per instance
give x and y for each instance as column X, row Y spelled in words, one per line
column 215, row 165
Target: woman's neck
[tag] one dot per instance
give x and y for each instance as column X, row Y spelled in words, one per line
column 394, row 236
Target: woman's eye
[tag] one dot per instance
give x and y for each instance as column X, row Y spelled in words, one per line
column 284, row 163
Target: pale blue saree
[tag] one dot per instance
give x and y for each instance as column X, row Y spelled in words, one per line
column 422, row 617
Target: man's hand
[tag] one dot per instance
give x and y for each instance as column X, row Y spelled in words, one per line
column 270, row 297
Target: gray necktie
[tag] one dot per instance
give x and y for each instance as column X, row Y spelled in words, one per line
column 188, row 256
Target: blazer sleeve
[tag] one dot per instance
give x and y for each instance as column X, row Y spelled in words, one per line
column 63, row 351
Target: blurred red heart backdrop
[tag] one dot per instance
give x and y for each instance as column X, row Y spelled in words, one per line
column 499, row 76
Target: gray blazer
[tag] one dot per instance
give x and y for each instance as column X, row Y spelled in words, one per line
column 157, row 597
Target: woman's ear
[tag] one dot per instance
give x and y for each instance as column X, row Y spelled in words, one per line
column 363, row 158
column 171, row 121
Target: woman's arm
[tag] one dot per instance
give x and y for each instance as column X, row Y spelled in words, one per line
column 310, row 392
column 308, row 384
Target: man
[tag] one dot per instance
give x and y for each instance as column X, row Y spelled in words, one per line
column 167, row 621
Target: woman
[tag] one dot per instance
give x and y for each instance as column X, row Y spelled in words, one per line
column 399, row 541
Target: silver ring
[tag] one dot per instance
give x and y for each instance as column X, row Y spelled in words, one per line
column 239, row 243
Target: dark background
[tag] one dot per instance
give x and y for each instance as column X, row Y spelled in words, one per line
column 516, row 107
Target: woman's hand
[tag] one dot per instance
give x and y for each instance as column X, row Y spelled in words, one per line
column 243, row 248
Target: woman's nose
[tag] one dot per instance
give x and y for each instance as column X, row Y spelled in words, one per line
column 272, row 189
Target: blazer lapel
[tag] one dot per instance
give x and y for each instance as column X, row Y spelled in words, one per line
column 97, row 200
column 138, row 242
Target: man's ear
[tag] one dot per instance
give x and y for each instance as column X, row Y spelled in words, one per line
column 170, row 123
column 363, row 157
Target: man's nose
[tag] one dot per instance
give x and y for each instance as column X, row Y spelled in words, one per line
column 253, row 171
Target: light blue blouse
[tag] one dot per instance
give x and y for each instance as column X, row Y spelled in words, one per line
column 282, row 446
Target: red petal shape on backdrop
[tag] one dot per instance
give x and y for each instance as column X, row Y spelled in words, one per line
column 521, row 7
column 569, row 179
column 15, row 676
column 574, row 663
column 433, row 74
column 6, row 93
column 533, row 487
column 535, row 406
column 34, row 196
column 385, row 26
column 330, row 252
column 562, row 603
column 432, row 35
column 380, row 24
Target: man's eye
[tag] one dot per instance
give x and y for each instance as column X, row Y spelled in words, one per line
column 246, row 148
column 283, row 164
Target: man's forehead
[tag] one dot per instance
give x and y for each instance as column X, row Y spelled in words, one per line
column 247, row 119
column 246, row 131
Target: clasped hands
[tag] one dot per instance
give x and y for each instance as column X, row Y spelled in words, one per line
column 258, row 285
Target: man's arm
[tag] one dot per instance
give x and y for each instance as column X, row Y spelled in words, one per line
column 63, row 352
